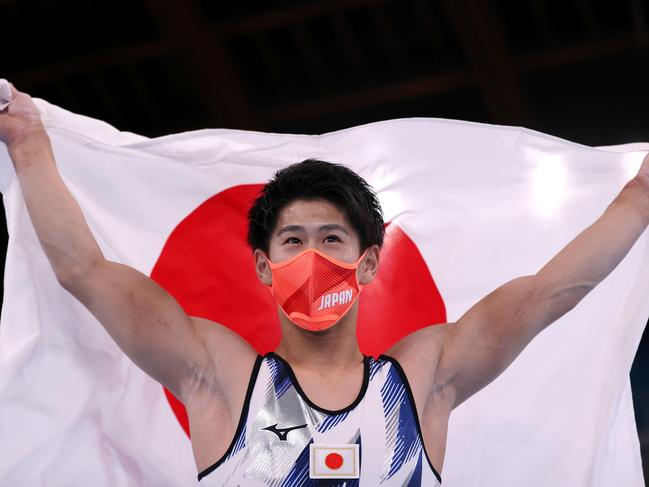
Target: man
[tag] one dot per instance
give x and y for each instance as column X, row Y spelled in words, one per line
column 316, row 405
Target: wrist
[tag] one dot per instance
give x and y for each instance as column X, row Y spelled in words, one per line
column 27, row 140
column 29, row 136
column 30, row 147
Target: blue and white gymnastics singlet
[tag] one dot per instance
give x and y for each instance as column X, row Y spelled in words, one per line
column 283, row 439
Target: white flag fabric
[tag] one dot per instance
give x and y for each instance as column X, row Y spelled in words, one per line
column 476, row 205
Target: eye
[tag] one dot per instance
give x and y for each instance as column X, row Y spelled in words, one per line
column 331, row 238
column 292, row 240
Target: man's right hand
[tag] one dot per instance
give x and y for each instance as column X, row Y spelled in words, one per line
column 20, row 119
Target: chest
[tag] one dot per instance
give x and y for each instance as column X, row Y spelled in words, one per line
column 283, row 426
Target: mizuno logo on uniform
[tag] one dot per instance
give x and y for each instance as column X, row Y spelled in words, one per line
column 332, row 299
column 282, row 432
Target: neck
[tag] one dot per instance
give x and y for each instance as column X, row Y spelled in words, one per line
column 333, row 348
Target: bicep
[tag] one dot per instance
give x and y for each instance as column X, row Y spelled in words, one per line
column 145, row 321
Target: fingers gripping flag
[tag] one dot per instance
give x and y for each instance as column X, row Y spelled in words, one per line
column 469, row 207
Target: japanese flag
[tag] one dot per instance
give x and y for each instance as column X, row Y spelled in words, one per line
column 334, row 461
column 469, row 207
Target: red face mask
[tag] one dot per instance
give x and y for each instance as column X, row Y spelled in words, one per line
column 314, row 290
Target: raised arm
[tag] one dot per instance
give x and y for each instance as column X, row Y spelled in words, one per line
column 485, row 341
column 144, row 320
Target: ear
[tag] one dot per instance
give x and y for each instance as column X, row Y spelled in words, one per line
column 369, row 266
column 262, row 267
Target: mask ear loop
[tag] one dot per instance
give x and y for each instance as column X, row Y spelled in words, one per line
column 269, row 263
column 358, row 265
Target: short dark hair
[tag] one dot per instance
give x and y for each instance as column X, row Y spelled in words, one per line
column 313, row 179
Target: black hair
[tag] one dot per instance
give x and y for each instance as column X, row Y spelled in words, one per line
column 313, row 179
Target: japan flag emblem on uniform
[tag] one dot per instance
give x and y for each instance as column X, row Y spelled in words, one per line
column 334, row 461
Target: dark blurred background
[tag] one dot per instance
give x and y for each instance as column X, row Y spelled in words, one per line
column 578, row 69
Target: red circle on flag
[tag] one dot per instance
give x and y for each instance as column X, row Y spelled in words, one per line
column 334, row 461
column 207, row 266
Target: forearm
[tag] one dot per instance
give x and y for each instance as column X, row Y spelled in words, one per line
column 596, row 251
column 59, row 223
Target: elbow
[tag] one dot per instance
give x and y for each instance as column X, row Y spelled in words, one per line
column 560, row 301
column 72, row 278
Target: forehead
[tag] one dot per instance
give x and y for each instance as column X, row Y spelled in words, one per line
column 310, row 212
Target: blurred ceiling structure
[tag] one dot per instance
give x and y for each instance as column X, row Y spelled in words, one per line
column 162, row 66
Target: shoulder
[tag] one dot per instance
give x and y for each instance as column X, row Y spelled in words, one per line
column 418, row 354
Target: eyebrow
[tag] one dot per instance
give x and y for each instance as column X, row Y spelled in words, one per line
column 324, row 228
column 333, row 226
column 291, row 228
